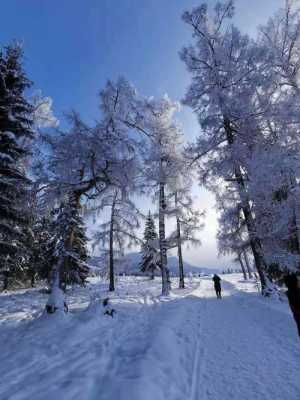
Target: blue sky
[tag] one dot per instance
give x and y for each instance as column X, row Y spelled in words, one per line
column 73, row 46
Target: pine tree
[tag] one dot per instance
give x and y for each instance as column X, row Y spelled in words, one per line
column 16, row 120
column 42, row 249
column 70, row 249
column 150, row 257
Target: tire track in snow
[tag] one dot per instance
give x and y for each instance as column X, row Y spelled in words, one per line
column 139, row 360
column 199, row 359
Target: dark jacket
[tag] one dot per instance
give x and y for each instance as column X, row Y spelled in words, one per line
column 293, row 293
column 217, row 280
column 294, row 301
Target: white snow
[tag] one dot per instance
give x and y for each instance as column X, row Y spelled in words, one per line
column 188, row 346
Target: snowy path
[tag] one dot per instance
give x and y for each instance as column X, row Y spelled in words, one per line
column 189, row 346
column 248, row 350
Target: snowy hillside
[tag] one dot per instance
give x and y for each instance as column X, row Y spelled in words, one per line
column 130, row 266
column 188, row 346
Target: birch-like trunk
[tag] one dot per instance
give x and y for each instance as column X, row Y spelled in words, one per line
column 256, row 247
column 179, row 248
column 246, row 258
column 162, row 242
column 56, row 301
column 255, row 243
column 111, row 245
column 242, row 266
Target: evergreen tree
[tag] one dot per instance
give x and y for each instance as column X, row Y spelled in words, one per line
column 16, row 120
column 42, row 249
column 70, row 247
column 150, row 256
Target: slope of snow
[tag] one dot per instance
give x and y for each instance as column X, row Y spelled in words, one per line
column 187, row 346
column 130, row 265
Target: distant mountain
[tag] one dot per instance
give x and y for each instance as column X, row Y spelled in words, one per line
column 129, row 265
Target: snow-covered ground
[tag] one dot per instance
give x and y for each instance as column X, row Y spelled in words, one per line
column 189, row 346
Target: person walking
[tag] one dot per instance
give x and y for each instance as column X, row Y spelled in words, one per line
column 217, row 284
column 293, row 294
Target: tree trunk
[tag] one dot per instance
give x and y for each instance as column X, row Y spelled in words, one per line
column 179, row 249
column 255, row 243
column 246, row 258
column 242, row 266
column 111, row 245
column 162, row 242
column 5, row 281
column 32, row 280
column 74, row 202
column 56, row 300
column 293, row 243
column 255, row 247
column 295, row 222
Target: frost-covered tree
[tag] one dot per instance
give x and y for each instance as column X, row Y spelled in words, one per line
column 42, row 248
column 188, row 224
column 161, row 162
column 276, row 205
column 232, row 235
column 246, row 96
column 33, row 254
column 187, row 216
column 276, row 188
column 16, row 121
column 119, row 230
column 43, row 113
column 228, row 71
column 85, row 162
column 150, row 259
column 280, row 38
column 272, row 167
column 71, row 243
column 159, row 141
